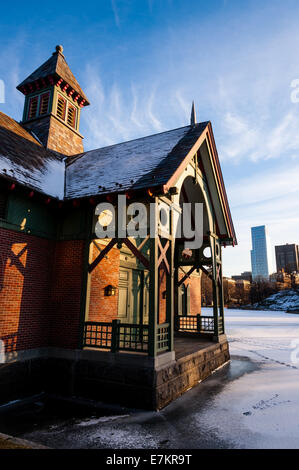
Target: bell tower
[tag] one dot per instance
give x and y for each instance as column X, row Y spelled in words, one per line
column 53, row 103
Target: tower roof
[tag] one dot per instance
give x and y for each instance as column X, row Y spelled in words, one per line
column 53, row 70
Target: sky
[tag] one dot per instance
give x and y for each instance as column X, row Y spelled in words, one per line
column 142, row 62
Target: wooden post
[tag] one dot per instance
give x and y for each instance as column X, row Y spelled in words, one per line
column 198, row 318
column 215, row 286
column 170, row 287
column 153, row 284
column 221, row 295
column 115, row 336
column 88, row 232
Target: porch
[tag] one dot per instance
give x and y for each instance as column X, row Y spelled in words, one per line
column 198, row 331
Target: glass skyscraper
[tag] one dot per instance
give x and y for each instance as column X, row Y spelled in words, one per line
column 261, row 254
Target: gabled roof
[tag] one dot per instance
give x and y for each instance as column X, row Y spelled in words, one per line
column 146, row 162
column 25, row 160
column 57, row 66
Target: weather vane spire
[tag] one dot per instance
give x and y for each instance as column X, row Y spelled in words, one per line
column 193, row 115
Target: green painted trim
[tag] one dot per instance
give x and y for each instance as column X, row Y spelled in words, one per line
column 153, row 293
column 83, row 297
column 16, row 228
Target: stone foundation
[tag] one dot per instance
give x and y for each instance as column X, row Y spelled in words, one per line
column 129, row 379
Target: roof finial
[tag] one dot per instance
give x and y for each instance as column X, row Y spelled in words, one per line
column 193, row 115
column 59, row 49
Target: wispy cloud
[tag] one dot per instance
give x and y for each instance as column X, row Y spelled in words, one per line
column 116, row 116
column 115, row 12
column 260, row 140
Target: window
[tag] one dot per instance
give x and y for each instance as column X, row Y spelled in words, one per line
column 61, row 106
column 71, row 116
column 44, row 103
column 3, row 203
column 33, row 105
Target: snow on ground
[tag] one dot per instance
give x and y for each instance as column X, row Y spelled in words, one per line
column 253, row 402
column 260, row 409
column 285, row 300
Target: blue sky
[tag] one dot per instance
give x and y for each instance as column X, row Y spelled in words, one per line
column 141, row 62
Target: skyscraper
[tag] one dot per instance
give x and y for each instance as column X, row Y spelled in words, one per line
column 261, row 256
column 287, row 258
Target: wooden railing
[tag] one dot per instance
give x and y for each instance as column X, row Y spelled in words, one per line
column 163, row 337
column 197, row 324
column 116, row 336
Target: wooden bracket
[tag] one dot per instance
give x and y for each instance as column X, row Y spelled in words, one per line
column 187, row 275
column 102, row 254
column 163, row 251
column 137, row 253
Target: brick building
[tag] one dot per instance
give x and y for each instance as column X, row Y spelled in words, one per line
column 89, row 316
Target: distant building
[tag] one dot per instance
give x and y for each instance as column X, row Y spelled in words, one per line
column 287, row 258
column 245, row 276
column 282, row 280
column 261, row 258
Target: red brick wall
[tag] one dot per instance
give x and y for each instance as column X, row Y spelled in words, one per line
column 65, row 298
column 25, row 271
column 40, row 291
column 101, row 307
column 194, row 281
column 162, row 301
column 195, row 295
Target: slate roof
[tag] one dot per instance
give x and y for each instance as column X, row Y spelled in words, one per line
column 141, row 163
column 25, row 160
column 55, row 65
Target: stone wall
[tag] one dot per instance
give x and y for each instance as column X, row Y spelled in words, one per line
column 128, row 379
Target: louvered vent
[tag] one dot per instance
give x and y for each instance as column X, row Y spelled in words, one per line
column 44, row 104
column 61, row 107
column 33, row 107
column 71, row 116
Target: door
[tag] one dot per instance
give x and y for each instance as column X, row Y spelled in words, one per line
column 133, row 296
column 124, row 296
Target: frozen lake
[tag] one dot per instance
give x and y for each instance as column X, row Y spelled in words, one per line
column 253, row 402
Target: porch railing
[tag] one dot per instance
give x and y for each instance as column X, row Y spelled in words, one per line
column 163, row 337
column 197, row 324
column 116, row 336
